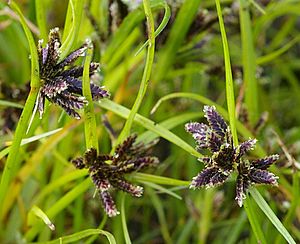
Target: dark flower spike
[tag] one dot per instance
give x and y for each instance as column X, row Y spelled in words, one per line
column 243, row 148
column 108, row 204
column 204, row 136
column 264, row 163
column 209, row 177
column 61, row 82
column 226, row 157
column 108, row 171
column 215, row 120
column 254, row 172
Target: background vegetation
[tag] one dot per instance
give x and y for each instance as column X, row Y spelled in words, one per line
column 247, row 69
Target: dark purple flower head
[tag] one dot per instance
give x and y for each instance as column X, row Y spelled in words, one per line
column 61, row 82
column 108, row 171
column 217, row 138
column 225, row 157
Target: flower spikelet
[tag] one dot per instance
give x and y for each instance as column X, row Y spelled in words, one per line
column 108, row 171
column 225, row 157
column 61, row 83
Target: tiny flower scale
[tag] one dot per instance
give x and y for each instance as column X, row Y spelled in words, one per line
column 225, row 157
column 61, row 82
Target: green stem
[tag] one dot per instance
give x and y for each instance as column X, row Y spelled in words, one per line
column 146, row 75
column 249, row 65
column 41, row 18
column 90, row 126
column 72, row 24
column 12, row 164
column 228, row 73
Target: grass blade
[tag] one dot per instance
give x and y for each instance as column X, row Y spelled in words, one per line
column 148, row 124
column 12, row 162
column 271, row 216
column 90, row 127
column 146, row 74
column 249, row 65
column 80, row 235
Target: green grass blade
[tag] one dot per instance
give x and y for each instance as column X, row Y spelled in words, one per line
column 169, row 124
column 40, row 14
column 148, row 124
column 255, row 225
column 160, row 180
column 40, row 214
column 123, row 218
column 12, row 164
column 161, row 189
column 76, row 237
column 181, row 25
column 160, row 28
column 249, row 65
column 161, row 216
column 61, row 204
column 73, row 26
column 273, row 55
column 146, row 74
column 90, row 127
column 271, row 216
column 228, row 76
column 240, row 127
column 10, row 104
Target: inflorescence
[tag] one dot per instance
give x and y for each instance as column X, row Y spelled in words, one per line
column 107, row 171
column 225, row 158
column 60, row 79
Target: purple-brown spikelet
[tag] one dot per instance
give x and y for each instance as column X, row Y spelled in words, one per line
column 108, row 171
column 61, row 83
column 226, row 157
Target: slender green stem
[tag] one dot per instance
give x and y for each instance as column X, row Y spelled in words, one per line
column 228, row 73
column 72, row 25
column 252, row 217
column 90, row 126
column 123, row 218
column 146, row 75
column 12, row 164
column 41, row 18
column 231, row 112
column 249, row 65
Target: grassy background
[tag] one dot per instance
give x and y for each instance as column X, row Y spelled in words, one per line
column 253, row 66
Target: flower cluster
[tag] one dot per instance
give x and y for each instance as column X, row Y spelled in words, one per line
column 60, row 79
column 225, row 158
column 107, row 171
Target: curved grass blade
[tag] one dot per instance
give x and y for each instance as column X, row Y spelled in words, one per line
column 40, row 214
column 169, row 124
column 249, row 65
column 228, row 76
column 40, row 14
column 12, row 163
column 271, row 216
column 76, row 237
column 161, row 189
column 241, row 128
column 90, row 127
column 148, row 124
column 123, row 219
column 161, row 27
column 146, row 74
column 72, row 25
column 273, row 55
column 10, row 104
column 61, row 204
column 160, row 180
